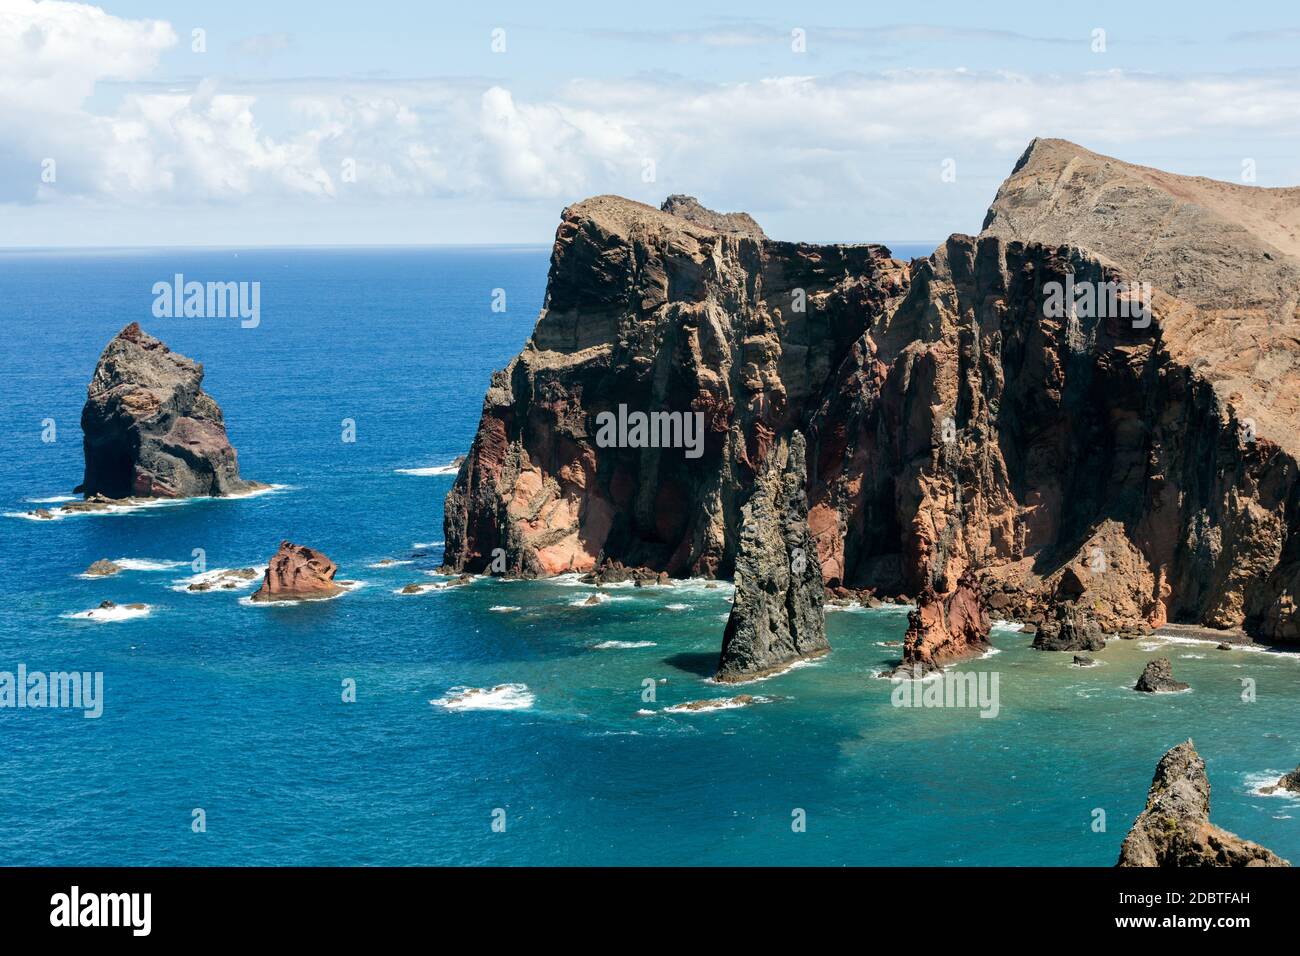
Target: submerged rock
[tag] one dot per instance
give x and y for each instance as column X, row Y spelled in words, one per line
column 150, row 431
column 776, row 616
column 1158, row 677
column 298, row 573
column 1175, row 829
column 1072, row 628
column 1082, row 660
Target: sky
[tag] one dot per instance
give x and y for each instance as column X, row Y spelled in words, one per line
column 146, row 123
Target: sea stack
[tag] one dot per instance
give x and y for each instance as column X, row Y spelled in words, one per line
column 944, row 629
column 298, row 573
column 777, row 616
column 150, row 429
column 1175, row 828
column 1158, row 678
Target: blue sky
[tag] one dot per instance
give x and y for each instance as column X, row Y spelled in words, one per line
column 397, row 122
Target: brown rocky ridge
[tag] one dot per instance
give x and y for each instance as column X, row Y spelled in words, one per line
column 298, row 573
column 1145, row 471
column 1175, row 827
column 150, row 429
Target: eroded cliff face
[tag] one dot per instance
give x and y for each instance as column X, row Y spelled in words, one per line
column 656, row 313
column 954, row 424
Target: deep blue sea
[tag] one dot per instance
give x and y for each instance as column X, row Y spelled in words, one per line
column 238, row 710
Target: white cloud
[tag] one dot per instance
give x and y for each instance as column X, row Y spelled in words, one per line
column 864, row 143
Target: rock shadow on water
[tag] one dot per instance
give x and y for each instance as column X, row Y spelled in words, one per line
column 699, row 663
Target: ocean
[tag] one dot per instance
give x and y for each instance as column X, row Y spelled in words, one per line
column 234, row 715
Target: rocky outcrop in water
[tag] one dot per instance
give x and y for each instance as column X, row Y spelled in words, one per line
column 1158, row 678
column 1290, row 781
column 1142, row 466
column 615, row 572
column 1071, row 629
column 1175, row 828
column 298, row 573
column 150, row 429
column 945, row 629
column 776, row 616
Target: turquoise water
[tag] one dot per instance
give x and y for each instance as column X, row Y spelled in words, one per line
column 211, row 703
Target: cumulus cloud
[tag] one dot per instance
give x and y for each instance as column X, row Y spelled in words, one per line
column 795, row 141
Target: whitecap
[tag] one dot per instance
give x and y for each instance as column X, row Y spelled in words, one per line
column 621, row 645
column 429, row 470
column 500, row 697
column 147, row 564
column 138, row 505
column 219, row 578
column 504, row 608
column 108, row 615
column 677, row 607
column 380, row 565
column 1256, row 782
column 421, row 545
column 719, row 703
column 792, row 666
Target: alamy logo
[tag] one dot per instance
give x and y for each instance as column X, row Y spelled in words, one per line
column 948, row 689
column 74, row 909
column 179, row 299
column 651, row 430
column 76, row 690
column 1098, row 300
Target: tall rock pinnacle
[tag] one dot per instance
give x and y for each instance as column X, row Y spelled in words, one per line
column 777, row 616
column 150, row 429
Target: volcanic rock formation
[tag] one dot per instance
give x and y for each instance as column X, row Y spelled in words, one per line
column 943, row 630
column 953, row 422
column 1072, row 629
column 1175, row 827
column 1158, row 678
column 776, row 616
column 150, row 429
column 298, row 573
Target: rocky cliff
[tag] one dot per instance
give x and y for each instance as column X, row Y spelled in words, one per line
column 954, row 421
column 150, row 429
column 1175, row 827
